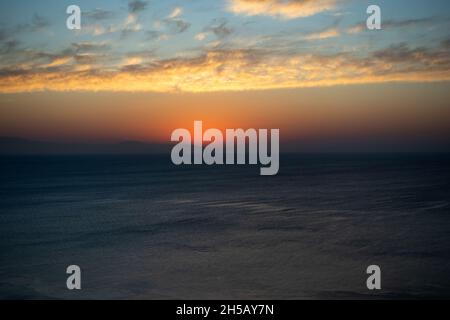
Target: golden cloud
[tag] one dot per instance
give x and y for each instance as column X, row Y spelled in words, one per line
column 236, row 70
column 287, row 9
column 329, row 33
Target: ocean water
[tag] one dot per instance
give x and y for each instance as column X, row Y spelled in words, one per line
column 141, row 228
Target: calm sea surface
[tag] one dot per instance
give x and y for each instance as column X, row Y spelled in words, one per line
column 140, row 227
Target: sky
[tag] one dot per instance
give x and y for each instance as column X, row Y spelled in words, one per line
column 137, row 70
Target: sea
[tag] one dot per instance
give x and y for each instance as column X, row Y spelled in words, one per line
column 140, row 227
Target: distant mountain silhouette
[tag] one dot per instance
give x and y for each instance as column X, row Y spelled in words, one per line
column 19, row 146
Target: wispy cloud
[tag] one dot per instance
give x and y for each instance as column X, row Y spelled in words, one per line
column 217, row 27
column 155, row 35
column 391, row 24
column 137, row 6
column 175, row 23
column 220, row 28
column 325, row 34
column 130, row 26
column 176, row 12
column 201, row 36
column 37, row 23
column 409, row 22
column 98, row 15
column 357, row 28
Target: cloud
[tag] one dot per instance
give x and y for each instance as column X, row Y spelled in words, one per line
column 402, row 54
column 142, row 55
column 220, row 28
column 130, row 26
column 176, row 12
column 98, row 15
column 201, row 36
column 137, row 6
column 328, row 33
column 224, row 70
column 155, row 35
column 7, row 34
column 8, row 46
column 177, row 25
column 174, row 22
column 287, row 9
column 357, row 28
column 71, row 59
column 38, row 22
column 408, row 23
column 391, row 24
column 78, row 47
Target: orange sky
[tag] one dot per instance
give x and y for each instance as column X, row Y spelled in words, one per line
column 388, row 111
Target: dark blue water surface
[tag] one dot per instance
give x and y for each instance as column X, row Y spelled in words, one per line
column 140, row 227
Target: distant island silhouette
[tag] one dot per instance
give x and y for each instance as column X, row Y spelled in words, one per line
column 20, row 146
